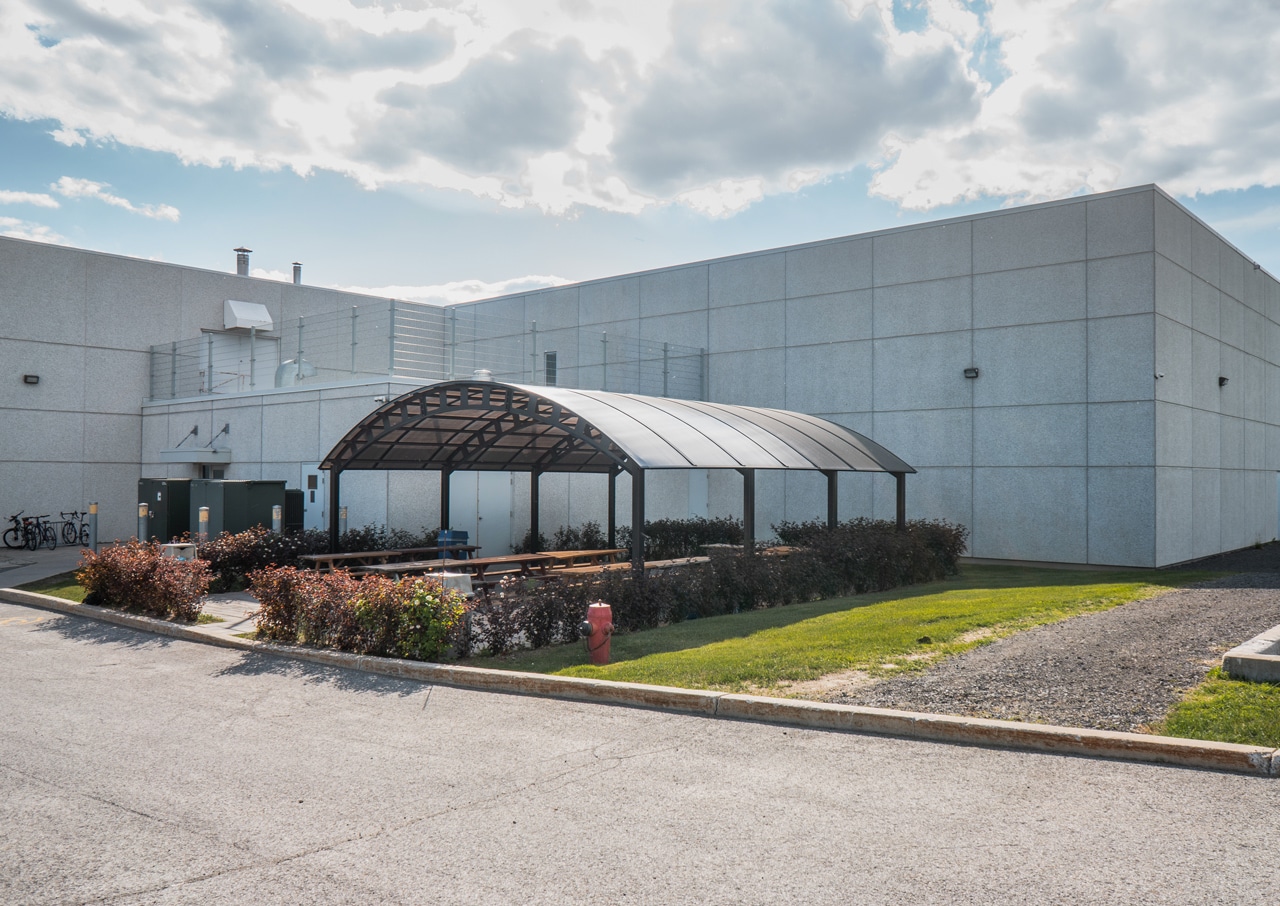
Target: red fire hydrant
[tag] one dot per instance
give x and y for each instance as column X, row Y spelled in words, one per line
column 597, row 630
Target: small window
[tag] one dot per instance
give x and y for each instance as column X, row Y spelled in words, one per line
column 549, row 369
column 312, row 482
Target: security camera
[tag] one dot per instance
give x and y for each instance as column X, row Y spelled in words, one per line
column 379, row 399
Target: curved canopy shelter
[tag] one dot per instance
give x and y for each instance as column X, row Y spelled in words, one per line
column 476, row 425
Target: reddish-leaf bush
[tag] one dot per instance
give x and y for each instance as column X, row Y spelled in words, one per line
column 134, row 576
column 232, row 557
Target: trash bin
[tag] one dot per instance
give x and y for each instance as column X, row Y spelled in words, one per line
column 446, row 538
column 178, row 551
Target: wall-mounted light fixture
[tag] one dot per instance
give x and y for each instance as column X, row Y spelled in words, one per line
column 1222, row 382
column 971, row 372
column 31, row 379
column 1159, row 374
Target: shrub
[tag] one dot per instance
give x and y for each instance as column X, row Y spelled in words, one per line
column 135, row 577
column 231, row 557
column 668, row 539
column 380, row 538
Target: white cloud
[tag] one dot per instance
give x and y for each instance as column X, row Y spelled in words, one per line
column 71, row 187
column 24, row 229
column 459, row 290
column 39, row 199
column 713, row 104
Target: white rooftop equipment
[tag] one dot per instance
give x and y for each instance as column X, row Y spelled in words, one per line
column 245, row 315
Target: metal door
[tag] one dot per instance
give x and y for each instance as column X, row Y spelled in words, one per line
column 315, row 497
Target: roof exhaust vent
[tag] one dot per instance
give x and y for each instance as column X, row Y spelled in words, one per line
column 297, row 273
column 242, row 261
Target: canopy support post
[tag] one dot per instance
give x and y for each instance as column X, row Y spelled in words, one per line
column 535, row 504
column 748, row 510
column 901, row 478
column 637, row 521
column 613, row 507
column 833, row 498
column 445, row 476
column 333, row 509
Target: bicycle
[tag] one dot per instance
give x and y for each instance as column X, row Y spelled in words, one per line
column 15, row 536
column 75, row 528
column 40, row 533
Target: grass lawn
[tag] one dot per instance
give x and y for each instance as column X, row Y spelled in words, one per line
column 1227, row 710
column 63, row 585
column 904, row 629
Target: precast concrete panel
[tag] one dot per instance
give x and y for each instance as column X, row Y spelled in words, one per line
column 921, row 372
column 115, row 380
column 244, row 420
column 750, row 378
column 806, row 497
column 1120, row 224
column 829, row 268
column 1122, row 358
column 675, row 290
column 743, row 327
column 1045, row 435
column 204, row 295
column 753, row 278
column 1231, row 394
column 832, row 378
column 1235, row 529
column 1273, row 447
column 1255, row 446
column 1173, row 291
column 1173, row 231
column 931, row 306
column 588, row 499
column 1029, row 365
column 1029, row 296
column 1174, row 435
column 687, row 329
column 1206, row 253
column 1271, row 375
column 1122, row 286
column 1030, row 514
column 114, row 487
column 1255, row 293
column 110, row 438
column 130, row 304
column 42, row 292
column 1206, row 308
column 1254, row 388
column 1232, row 439
column 1206, row 512
column 1174, row 361
column 38, row 436
column 366, row 497
column 609, row 300
column 1206, row 367
column 1255, row 333
column 60, row 369
column 1122, row 434
column 1231, row 266
column 516, row 309
column 829, row 319
column 1122, row 516
column 291, row 429
column 1029, row 238
column 932, row 493
column 1173, row 516
column 928, row 437
column 1206, row 439
column 924, row 253
column 1231, row 321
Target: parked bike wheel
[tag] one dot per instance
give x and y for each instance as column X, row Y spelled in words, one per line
column 49, row 537
column 84, row 535
column 14, row 537
column 70, row 531
column 32, row 534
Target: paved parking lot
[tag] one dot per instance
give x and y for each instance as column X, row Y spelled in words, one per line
column 136, row 769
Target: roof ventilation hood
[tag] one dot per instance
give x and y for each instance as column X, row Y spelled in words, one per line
column 245, row 314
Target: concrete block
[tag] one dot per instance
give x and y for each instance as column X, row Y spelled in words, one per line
column 1231, row 366
column 1173, row 291
column 831, row 267
column 921, row 372
column 1173, row 516
column 1206, row 512
column 1206, row 439
column 1206, row 309
column 932, row 493
column 1255, row 388
column 751, row 278
column 679, row 289
column 1231, row 265
column 924, row 253
column 933, row 306
column 1232, row 442
column 1030, row 295
column 1231, row 321
column 928, row 437
column 61, row 369
column 1122, row 516
column 830, row 318
column 742, row 327
column 1122, row 358
column 1174, row 434
column 1255, row 445
column 1029, row 365
column 1206, row 367
column 609, row 300
column 755, row 378
column 1122, row 434
column 833, row 378
column 1174, row 343
column 1030, row 514
column 1122, row 286
column 1173, row 231
column 1121, row 224
column 1046, row 435
column 1028, row 238
column 1234, row 525
column 1206, row 253
column 42, row 292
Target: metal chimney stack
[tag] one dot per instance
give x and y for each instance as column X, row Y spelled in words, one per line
column 242, row 261
column 297, row 273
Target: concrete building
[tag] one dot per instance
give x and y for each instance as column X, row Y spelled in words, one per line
column 1092, row 380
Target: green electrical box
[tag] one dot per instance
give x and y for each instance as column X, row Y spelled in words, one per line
column 234, row 505
column 168, row 503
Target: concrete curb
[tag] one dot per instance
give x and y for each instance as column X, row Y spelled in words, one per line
column 1138, row 747
column 1257, row 659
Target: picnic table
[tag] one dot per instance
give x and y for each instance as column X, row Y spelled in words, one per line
column 365, row 559
column 565, row 559
column 485, row 571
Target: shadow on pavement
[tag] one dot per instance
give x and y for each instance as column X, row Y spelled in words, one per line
column 255, row 664
column 86, row 629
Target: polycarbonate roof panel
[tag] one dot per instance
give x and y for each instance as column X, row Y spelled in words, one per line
column 477, row 425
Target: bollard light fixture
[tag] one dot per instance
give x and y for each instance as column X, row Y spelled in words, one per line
column 971, row 372
column 31, row 379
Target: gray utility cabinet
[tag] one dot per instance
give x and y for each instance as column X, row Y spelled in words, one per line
column 233, row 505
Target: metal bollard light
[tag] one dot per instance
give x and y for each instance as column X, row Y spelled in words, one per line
column 203, row 535
column 597, row 632
column 342, row 520
column 93, row 527
column 277, row 519
column 144, row 529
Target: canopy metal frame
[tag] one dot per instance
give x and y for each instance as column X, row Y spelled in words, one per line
column 474, row 425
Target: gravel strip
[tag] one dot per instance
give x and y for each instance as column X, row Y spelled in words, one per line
column 1119, row 669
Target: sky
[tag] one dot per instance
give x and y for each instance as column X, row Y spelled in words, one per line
column 446, row 150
